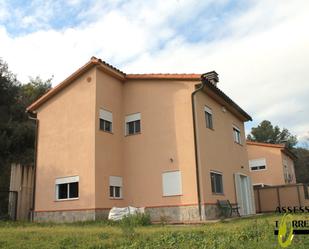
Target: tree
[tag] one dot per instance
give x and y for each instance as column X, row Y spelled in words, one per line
column 302, row 165
column 33, row 90
column 267, row 133
column 16, row 130
column 305, row 142
column 8, row 96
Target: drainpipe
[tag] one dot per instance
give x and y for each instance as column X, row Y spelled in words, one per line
column 204, row 81
column 35, row 159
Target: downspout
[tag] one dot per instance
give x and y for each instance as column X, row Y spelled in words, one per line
column 35, row 159
column 204, row 81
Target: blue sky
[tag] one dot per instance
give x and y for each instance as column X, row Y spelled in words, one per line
column 259, row 48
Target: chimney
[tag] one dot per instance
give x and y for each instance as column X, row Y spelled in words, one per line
column 211, row 76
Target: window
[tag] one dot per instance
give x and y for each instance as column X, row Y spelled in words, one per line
column 172, row 183
column 67, row 188
column 133, row 124
column 208, row 117
column 258, row 167
column 216, row 183
column 237, row 137
column 115, row 187
column 257, row 164
column 106, row 120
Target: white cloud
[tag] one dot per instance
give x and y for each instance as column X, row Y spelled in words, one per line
column 261, row 54
column 4, row 12
column 74, row 2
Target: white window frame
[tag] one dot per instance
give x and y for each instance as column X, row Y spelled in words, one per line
column 258, row 162
column 115, row 181
column 218, row 173
column 209, row 111
column 262, row 184
column 237, row 139
column 171, row 183
column 131, row 118
column 66, row 180
column 106, row 115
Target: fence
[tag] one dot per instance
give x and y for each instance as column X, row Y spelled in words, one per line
column 8, row 205
column 268, row 199
column 22, row 181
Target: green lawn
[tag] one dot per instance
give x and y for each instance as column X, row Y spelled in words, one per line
column 246, row 233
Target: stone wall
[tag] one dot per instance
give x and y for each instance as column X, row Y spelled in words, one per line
column 101, row 214
column 71, row 216
column 157, row 214
column 64, row 216
column 174, row 214
column 212, row 212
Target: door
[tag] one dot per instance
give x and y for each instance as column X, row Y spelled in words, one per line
column 244, row 194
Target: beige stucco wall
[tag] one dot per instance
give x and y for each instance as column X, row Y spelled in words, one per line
column 273, row 174
column 218, row 151
column 108, row 146
column 66, row 144
column 166, row 132
column 71, row 143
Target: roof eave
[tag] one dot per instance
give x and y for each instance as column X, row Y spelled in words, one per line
column 90, row 64
column 186, row 77
column 278, row 146
column 289, row 153
column 229, row 101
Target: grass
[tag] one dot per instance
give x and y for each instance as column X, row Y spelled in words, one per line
column 255, row 232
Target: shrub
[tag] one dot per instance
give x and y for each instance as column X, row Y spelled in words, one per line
column 128, row 223
column 135, row 220
column 163, row 220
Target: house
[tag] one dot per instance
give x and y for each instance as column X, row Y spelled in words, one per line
column 168, row 142
column 270, row 164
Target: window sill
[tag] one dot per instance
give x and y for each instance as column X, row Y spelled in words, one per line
column 69, row 199
column 172, row 195
column 238, row 143
column 129, row 135
column 212, row 129
column 109, row 132
column 115, row 198
column 222, row 194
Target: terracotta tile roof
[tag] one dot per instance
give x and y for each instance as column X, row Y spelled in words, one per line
column 169, row 76
column 111, row 70
column 95, row 59
column 62, row 85
column 164, row 76
column 228, row 100
column 281, row 146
